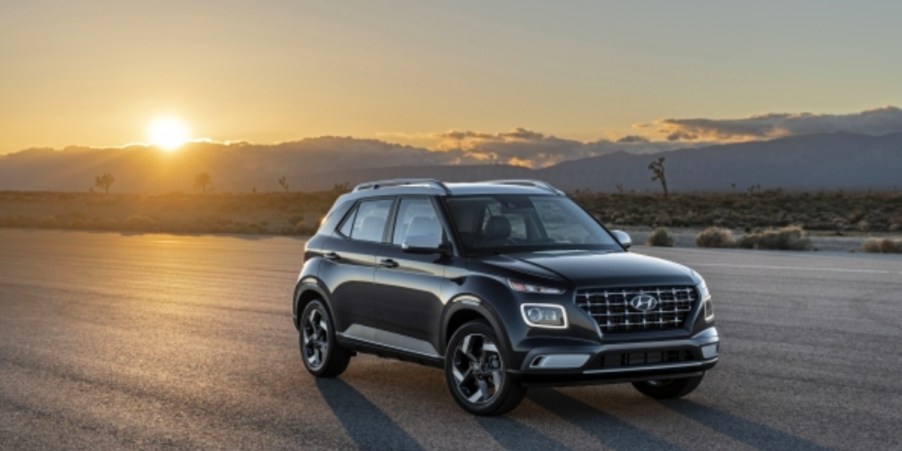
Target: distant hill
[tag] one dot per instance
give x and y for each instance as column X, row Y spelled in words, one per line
column 823, row 161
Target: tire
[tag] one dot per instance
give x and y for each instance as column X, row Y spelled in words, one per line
column 321, row 354
column 476, row 363
column 668, row 388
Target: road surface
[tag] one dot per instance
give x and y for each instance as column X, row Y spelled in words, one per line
column 111, row 341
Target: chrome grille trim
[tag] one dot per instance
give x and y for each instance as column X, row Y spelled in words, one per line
column 611, row 310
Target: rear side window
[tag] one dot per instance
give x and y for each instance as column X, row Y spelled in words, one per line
column 367, row 221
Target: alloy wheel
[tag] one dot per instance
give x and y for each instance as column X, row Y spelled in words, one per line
column 315, row 339
column 478, row 369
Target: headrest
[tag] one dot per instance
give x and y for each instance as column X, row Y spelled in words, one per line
column 498, row 228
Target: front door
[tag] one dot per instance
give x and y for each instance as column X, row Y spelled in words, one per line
column 407, row 289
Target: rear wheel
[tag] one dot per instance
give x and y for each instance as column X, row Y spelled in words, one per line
column 668, row 388
column 476, row 371
column 321, row 354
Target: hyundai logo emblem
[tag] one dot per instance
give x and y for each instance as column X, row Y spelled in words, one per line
column 644, row 302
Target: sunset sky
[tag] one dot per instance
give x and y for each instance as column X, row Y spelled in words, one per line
column 97, row 73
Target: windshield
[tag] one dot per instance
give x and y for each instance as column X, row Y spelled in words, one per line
column 524, row 223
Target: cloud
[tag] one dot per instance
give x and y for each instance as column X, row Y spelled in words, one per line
column 530, row 148
column 877, row 121
column 633, row 139
column 523, row 147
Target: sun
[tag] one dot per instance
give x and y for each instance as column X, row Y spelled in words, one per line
column 167, row 133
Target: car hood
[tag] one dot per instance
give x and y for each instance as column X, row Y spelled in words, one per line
column 588, row 268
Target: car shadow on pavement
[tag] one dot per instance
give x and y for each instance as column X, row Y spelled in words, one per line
column 367, row 425
column 512, row 434
column 746, row 431
column 612, row 431
column 618, row 434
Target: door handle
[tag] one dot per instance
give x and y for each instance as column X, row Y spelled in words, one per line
column 331, row 256
column 388, row 263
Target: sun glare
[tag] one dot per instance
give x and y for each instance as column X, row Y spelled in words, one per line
column 167, row 133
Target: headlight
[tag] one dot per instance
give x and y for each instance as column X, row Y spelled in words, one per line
column 702, row 288
column 549, row 316
column 524, row 287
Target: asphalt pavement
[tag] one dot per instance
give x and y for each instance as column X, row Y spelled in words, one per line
column 154, row 341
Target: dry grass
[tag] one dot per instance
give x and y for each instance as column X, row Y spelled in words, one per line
column 715, row 237
column 265, row 213
column 839, row 212
column 298, row 213
column 791, row 238
column 882, row 246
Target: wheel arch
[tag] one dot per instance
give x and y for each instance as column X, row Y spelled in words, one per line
column 466, row 308
column 306, row 290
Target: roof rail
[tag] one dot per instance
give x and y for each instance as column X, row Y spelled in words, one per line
column 528, row 182
column 402, row 182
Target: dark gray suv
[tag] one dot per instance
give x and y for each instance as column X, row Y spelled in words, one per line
column 505, row 284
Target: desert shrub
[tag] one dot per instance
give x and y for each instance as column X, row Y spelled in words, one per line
column 882, row 246
column 660, row 238
column 49, row 222
column 252, row 228
column 105, row 224
column 303, row 228
column 715, row 237
column 787, row 238
column 139, row 223
column 14, row 221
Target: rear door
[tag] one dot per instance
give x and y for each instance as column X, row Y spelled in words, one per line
column 351, row 262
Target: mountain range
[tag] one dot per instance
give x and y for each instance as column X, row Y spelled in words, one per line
column 830, row 161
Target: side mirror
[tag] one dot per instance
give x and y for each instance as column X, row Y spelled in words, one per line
column 623, row 238
column 425, row 244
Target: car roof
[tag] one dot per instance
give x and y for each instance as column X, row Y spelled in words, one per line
column 394, row 187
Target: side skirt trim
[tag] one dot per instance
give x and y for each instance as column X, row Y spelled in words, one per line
column 390, row 340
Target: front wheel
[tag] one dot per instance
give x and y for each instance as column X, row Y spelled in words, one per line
column 476, row 371
column 668, row 388
column 321, row 354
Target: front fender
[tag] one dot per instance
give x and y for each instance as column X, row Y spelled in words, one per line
column 494, row 303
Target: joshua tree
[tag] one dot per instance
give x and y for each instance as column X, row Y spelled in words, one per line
column 284, row 182
column 104, row 181
column 657, row 168
column 202, row 181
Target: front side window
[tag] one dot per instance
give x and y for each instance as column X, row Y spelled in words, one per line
column 526, row 223
column 367, row 222
column 417, row 222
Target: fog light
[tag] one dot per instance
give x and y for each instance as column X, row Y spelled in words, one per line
column 559, row 361
column 709, row 351
column 549, row 316
column 545, row 316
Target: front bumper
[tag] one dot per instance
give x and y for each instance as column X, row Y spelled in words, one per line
column 558, row 362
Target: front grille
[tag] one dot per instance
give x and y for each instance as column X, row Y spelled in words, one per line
column 611, row 307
